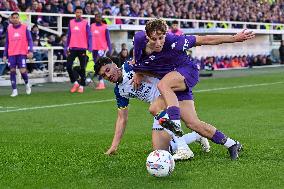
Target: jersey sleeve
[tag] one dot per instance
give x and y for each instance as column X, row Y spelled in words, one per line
column 139, row 43
column 121, row 102
column 183, row 42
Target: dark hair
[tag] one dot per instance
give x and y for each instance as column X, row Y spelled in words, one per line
column 101, row 62
column 175, row 22
column 78, row 8
column 15, row 13
column 35, row 26
column 156, row 25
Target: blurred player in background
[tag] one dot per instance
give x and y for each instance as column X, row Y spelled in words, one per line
column 18, row 47
column 100, row 42
column 175, row 28
column 79, row 39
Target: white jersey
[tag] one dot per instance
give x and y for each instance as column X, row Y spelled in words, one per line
column 147, row 92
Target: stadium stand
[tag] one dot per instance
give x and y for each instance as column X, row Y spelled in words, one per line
column 49, row 30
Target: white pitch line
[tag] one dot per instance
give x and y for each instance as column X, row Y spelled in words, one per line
column 109, row 100
column 57, row 105
column 7, row 107
column 237, row 87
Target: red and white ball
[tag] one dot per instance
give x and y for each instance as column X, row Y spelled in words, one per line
column 160, row 163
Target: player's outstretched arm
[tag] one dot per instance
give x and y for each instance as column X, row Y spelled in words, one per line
column 120, row 125
column 219, row 39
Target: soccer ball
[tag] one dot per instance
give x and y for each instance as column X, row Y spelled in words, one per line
column 160, row 163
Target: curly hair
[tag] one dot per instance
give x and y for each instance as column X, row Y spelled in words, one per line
column 100, row 63
column 156, row 25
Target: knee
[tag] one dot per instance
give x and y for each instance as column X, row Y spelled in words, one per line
column 23, row 71
column 162, row 86
column 153, row 110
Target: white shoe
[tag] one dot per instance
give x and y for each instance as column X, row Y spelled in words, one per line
column 28, row 89
column 183, row 154
column 204, row 144
column 14, row 93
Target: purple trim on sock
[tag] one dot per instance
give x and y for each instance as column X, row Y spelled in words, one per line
column 25, row 77
column 219, row 138
column 173, row 112
column 13, row 80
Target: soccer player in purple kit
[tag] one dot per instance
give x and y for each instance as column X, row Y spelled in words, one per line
column 79, row 39
column 163, row 55
column 18, row 47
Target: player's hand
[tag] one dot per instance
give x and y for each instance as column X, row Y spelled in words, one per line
column 137, row 80
column 30, row 55
column 244, row 35
column 111, row 151
column 66, row 51
column 131, row 62
column 5, row 59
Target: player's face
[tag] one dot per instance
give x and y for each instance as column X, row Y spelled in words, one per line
column 156, row 41
column 175, row 26
column 110, row 72
column 15, row 19
column 98, row 18
column 79, row 13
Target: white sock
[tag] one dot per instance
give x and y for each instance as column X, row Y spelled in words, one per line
column 173, row 145
column 101, row 81
column 191, row 137
column 180, row 142
column 76, row 82
column 229, row 143
column 177, row 122
column 81, row 87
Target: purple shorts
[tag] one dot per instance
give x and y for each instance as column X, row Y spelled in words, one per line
column 17, row 61
column 191, row 74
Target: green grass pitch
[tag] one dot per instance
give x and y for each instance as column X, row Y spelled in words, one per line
column 51, row 145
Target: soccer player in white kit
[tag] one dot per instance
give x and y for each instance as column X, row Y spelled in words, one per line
column 147, row 92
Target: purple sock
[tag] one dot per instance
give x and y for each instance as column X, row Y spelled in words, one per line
column 25, row 77
column 219, row 138
column 13, row 80
column 173, row 112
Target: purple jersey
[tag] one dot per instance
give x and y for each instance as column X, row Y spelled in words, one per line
column 172, row 56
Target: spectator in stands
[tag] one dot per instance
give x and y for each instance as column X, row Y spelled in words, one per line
column 113, row 52
column 281, row 52
column 78, row 41
column 122, row 57
column 123, row 46
column 100, row 42
column 175, row 28
column 235, row 63
column 48, row 21
column 88, row 9
column 68, row 10
column 37, row 56
column 5, row 6
column 3, row 29
column 35, row 32
column 9, row 5
column 60, row 55
column 55, row 8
